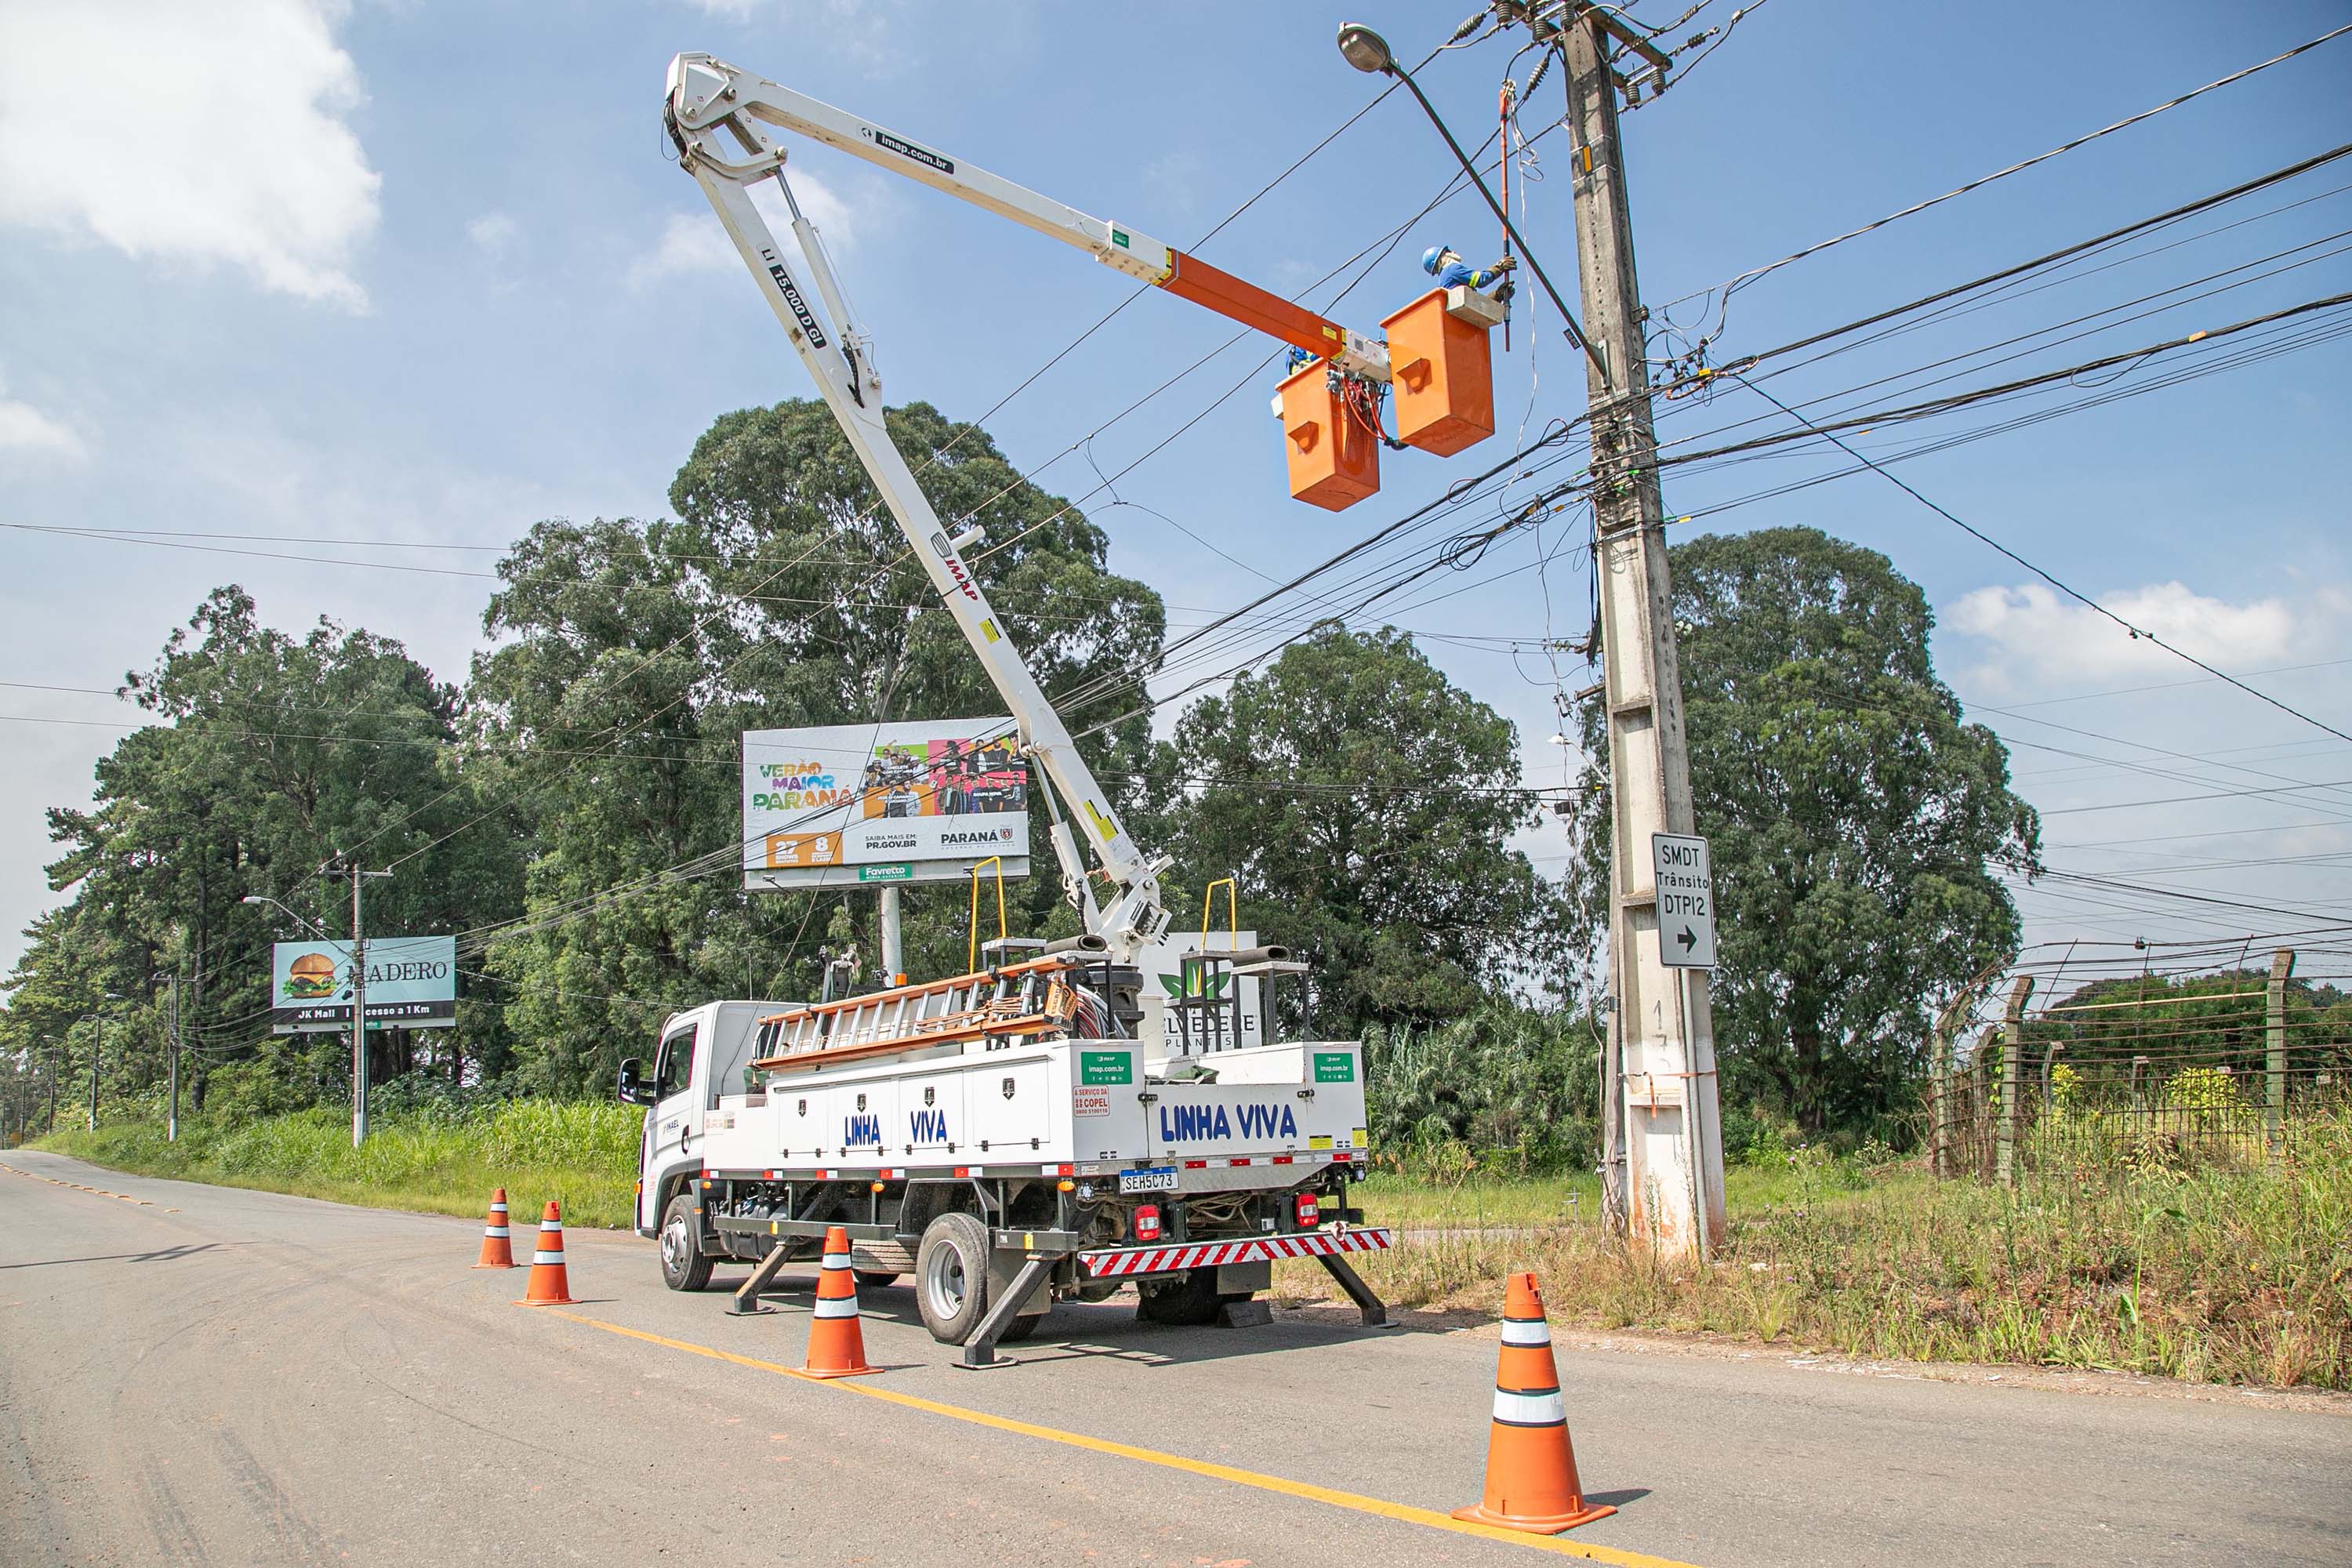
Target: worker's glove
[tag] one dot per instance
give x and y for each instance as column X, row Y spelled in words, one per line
column 1504, row 264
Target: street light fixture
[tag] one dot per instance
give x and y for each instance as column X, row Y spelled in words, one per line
column 1366, row 51
column 1369, row 52
column 306, row 925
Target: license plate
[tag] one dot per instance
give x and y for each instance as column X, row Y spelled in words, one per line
column 1159, row 1179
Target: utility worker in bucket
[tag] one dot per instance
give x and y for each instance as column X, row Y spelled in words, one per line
column 1445, row 263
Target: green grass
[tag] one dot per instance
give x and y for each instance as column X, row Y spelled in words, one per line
column 1412, row 1200
column 583, row 1155
column 2233, row 1273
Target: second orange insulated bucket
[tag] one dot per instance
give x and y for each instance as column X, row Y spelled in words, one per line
column 1335, row 461
column 1444, row 375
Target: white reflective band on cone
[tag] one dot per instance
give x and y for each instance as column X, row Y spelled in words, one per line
column 547, row 1256
column 1543, row 1409
column 497, row 1208
column 845, row 1307
column 836, row 1260
column 554, row 1226
column 497, row 1230
column 1517, row 1332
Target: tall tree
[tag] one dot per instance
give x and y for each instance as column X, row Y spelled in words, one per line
column 1365, row 804
column 271, row 755
column 1855, row 821
column 632, row 655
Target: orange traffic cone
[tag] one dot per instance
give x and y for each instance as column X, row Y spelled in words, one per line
column 498, row 1250
column 550, row 1286
column 836, row 1347
column 1531, row 1481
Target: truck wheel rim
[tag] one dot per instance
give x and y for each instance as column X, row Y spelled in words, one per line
column 944, row 1282
column 673, row 1246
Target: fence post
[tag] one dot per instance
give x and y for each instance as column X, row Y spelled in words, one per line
column 2274, row 1055
column 1981, row 1091
column 2012, row 1050
column 1939, row 1109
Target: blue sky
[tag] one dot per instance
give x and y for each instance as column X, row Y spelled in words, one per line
column 419, row 274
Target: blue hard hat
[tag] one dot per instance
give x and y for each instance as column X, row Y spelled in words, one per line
column 1432, row 259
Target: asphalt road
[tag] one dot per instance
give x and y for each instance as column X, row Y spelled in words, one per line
column 193, row 1375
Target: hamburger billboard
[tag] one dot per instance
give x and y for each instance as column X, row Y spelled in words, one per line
column 412, row 983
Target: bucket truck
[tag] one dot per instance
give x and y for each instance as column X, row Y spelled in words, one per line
column 1003, row 1134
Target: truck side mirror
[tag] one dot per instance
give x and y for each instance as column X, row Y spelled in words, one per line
column 633, row 1090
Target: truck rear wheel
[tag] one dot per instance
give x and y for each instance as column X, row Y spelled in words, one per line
column 684, row 1265
column 951, row 1277
column 1191, row 1302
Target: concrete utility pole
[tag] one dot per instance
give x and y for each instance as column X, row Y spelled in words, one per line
column 171, row 1123
column 359, row 997
column 97, row 1053
column 1663, row 1166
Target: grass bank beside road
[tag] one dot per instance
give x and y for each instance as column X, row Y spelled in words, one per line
column 2219, row 1273
column 583, row 1155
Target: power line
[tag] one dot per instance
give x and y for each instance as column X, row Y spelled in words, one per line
column 2063, row 587
column 1755, row 273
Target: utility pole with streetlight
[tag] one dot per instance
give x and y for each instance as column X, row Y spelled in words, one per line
column 96, row 1019
column 172, row 1123
column 1662, row 1157
column 359, row 993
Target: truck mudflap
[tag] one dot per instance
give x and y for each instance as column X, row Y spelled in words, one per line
column 1117, row 1262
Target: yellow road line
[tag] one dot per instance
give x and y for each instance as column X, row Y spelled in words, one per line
column 1354, row 1501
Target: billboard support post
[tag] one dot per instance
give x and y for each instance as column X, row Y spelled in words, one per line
column 894, row 942
column 359, row 997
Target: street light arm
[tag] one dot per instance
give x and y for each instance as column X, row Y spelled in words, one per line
column 1575, row 333
column 265, row 899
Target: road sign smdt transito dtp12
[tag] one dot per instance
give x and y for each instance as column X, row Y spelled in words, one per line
column 1686, row 900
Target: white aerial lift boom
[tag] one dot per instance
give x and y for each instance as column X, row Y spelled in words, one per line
column 709, row 100
column 1005, row 1135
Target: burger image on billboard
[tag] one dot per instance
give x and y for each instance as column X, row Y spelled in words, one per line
column 309, row 977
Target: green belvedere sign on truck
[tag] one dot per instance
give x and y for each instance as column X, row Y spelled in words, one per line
column 1334, row 1067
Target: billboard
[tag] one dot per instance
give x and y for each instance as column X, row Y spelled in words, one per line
column 412, row 983
column 868, row 803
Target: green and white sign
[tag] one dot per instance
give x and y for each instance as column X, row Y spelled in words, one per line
column 1106, row 1067
column 1334, row 1067
column 885, row 873
column 412, row 983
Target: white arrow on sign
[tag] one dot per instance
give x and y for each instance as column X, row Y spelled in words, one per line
column 1685, row 889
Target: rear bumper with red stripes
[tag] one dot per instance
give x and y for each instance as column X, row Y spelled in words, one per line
column 1117, row 1262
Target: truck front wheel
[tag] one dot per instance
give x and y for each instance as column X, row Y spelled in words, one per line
column 685, row 1265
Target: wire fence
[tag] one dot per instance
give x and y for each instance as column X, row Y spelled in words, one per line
column 2083, row 1056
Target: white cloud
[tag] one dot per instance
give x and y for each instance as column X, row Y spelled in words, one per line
column 694, row 242
column 494, row 234
column 2038, row 639
column 209, row 132
column 1175, row 179
column 25, row 428
column 690, row 242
